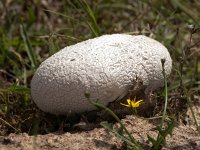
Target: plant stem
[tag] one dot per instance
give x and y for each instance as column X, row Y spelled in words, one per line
column 166, row 95
column 193, row 115
column 118, row 120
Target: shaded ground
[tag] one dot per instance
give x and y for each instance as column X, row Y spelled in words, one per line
column 184, row 137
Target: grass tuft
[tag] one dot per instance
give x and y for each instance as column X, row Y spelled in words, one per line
column 29, row 49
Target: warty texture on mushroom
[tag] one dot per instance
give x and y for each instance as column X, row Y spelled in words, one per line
column 104, row 67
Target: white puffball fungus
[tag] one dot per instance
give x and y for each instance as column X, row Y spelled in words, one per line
column 105, row 67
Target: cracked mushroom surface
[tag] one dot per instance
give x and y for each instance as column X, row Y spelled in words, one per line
column 105, row 67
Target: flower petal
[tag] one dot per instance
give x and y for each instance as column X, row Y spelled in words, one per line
column 128, row 101
column 132, row 103
column 125, row 105
column 136, row 104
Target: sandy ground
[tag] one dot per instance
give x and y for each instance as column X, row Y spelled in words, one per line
column 184, row 137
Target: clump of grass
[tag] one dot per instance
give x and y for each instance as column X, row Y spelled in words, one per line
column 29, row 49
column 20, row 91
column 160, row 141
column 93, row 23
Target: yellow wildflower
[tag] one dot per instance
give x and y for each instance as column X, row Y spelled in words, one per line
column 132, row 103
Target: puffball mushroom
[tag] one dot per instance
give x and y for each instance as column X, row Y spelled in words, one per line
column 105, row 67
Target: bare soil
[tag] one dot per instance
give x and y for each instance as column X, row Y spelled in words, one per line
column 184, row 137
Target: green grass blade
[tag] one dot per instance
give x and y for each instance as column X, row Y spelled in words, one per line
column 95, row 33
column 93, row 25
column 28, row 47
column 186, row 11
column 60, row 14
column 53, row 44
